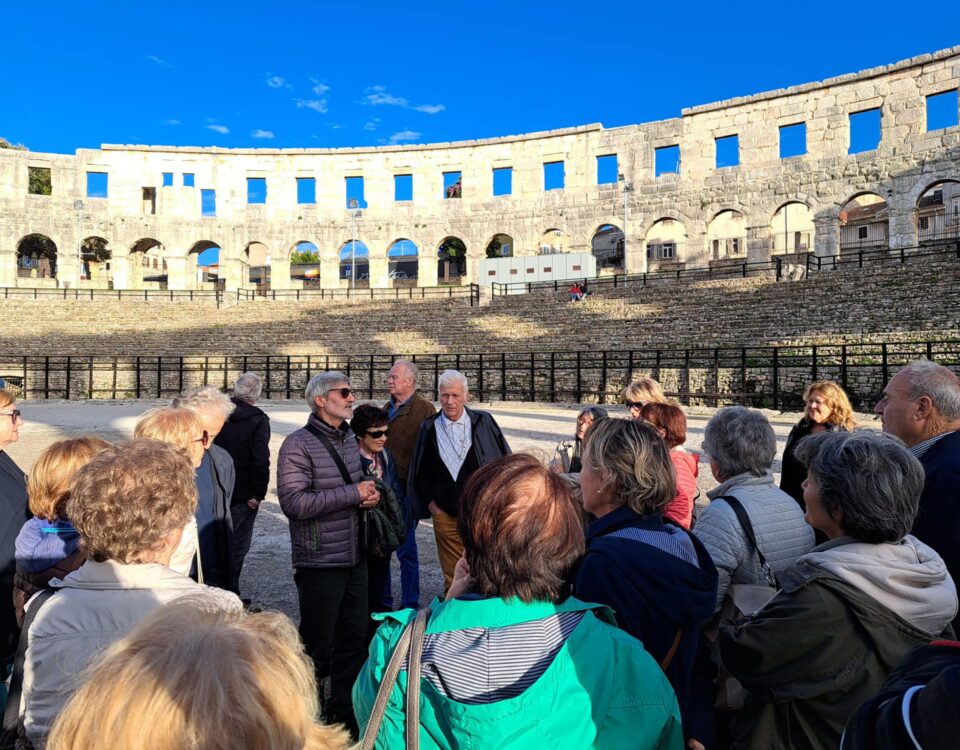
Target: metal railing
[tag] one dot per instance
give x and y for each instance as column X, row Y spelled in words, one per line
column 758, row 376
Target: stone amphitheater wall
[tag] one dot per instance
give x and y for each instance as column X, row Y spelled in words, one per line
column 907, row 161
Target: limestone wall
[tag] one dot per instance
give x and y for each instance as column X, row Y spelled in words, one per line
column 907, row 161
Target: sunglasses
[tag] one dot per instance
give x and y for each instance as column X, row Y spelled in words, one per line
column 15, row 414
column 377, row 434
column 344, row 392
column 204, row 439
column 635, row 404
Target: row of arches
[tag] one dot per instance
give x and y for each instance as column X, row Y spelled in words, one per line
column 863, row 224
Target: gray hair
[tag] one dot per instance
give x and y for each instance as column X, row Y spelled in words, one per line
column 412, row 370
column 636, row 462
column 926, row 378
column 870, row 477
column 203, row 398
column 740, row 440
column 321, row 384
column 597, row 412
column 452, row 376
column 248, row 387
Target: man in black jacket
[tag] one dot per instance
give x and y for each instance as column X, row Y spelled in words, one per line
column 246, row 437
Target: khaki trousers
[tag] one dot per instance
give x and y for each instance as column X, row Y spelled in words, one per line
column 449, row 545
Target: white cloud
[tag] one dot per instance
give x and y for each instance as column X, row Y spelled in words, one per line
column 317, row 105
column 171, row 121
column 376, row 96
column 222, row 129
column 319, row 88
column 278, row 82
column 403, row 136
column 371, row 124
column 156, row 60
column 267, row 134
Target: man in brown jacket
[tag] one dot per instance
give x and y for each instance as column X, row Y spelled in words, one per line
column 408, row 408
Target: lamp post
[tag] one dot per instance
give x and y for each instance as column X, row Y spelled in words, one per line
column 626, row 187
column 78, row 207
column 355, row 212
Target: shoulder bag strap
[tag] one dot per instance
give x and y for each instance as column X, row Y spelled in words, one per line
column 332, row 451
column 747, row 527
column 404, row 647
column 673, row 650
column 11, row 716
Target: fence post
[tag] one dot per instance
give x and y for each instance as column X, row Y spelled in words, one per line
column 843, row 366
column 579, row 391
column 553, row 377
column 716, row 377
column 503, row 376
column 814, row 364
column 779, row 268
column 480, row 377
column 68, row 378
column 603, row 377
column 883, row 363
column 743, row 376
column 533, row 378
column 370, row 378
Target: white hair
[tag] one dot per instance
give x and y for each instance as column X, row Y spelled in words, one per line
column 926, row 378
column 452, row 376
column 248, row 387
column 202, row 398
column 321, row 384
column 412, row 370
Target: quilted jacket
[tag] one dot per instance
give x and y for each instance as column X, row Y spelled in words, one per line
column 777, row 522
column 322, row 509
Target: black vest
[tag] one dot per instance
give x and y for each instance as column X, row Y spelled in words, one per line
column 435, row 482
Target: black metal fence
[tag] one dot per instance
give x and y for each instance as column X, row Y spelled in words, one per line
column 764, row 376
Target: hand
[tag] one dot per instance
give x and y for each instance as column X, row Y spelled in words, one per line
column 253, row 503
column 695, row 744
column 369, row 495
column 434, row 509
column 462, row 580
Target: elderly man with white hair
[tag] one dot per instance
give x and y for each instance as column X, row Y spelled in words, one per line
column 451, row 446
column 246, row 437
column 216, row 477
column 921, row 406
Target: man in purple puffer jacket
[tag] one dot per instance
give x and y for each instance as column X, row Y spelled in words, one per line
column 323, row 508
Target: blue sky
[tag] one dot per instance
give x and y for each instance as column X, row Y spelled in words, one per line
column 299, row 74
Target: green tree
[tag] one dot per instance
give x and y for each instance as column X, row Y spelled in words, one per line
column 298, row 258
column 40, row 181
column 4, row 143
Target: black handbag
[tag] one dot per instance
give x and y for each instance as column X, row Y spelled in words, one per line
column 382, row 528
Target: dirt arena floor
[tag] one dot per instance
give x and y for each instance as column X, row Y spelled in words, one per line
column 267, row 574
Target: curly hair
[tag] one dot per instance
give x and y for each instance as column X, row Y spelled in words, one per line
column 841, row 411
column 635, row 459
column 48, row 486
column 366, row 416
column 199, row 678
column 128, row 500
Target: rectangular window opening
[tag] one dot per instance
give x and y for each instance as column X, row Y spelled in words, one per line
column 862, row 233
column 728, row 151
column 208, row 202
column 39, row 181
column 188, row 179
column 942, row 110
column 864, row 130
column 793, row 140
column 666, row 160
column 503, row 181
column 354, row 188
column 607, row 169
column 168, row 179
column 256, row 190
column 452, row 185
column 149, row 201
column 306, row 190
column 553, row 175
column 97, row 184
column 403, row 187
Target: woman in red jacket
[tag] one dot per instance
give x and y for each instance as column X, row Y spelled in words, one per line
column 670, row 421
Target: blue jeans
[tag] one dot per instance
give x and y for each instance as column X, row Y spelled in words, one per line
column 409, row 572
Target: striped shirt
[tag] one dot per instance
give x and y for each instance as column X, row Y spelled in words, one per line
column 454, row 440
column 920, row 448
column 673, row 540
column 486, row 665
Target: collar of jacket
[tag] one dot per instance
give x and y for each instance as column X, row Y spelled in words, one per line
column 340, row 432
column 493, row 612
column 404, row 405
column 741, row 480
column 110, row 575
column 622, row 516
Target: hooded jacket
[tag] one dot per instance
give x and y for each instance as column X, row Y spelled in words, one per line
column 246, row 437
column 13, row 514
column 847, row 614
column 660, row 581
column 45, row 550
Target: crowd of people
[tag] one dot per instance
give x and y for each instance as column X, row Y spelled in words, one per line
column 587, row 603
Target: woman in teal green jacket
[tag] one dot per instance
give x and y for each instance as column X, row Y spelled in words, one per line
column 510, row 660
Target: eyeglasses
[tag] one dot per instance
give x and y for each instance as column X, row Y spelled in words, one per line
column 635, row 404
column 204, row 439
column 15, row 414
column 377, row 434
column 344, row 392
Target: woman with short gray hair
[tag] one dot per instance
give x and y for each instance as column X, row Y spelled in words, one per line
column 849, row 610
column 741, row 446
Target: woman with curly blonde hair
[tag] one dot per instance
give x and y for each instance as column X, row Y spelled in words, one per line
column 643, row 391
column 193, row 676
column 826, row 409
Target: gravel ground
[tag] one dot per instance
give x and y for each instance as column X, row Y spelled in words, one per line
column 267, row 574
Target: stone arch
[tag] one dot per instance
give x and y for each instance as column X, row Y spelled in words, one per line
column 607, row 246
column 354, row 258
column 727, row 234
column 937, row 213
column 451, row 260
column 500, row 245
column 553, row 240
column 37, row 257
column 665, row 240
column 205, row 257
column 256, row 259
column 864, row 220
column 145, row 261
column 403, row 262
column 304, row 256
column 95, row 254
column 791, row 228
